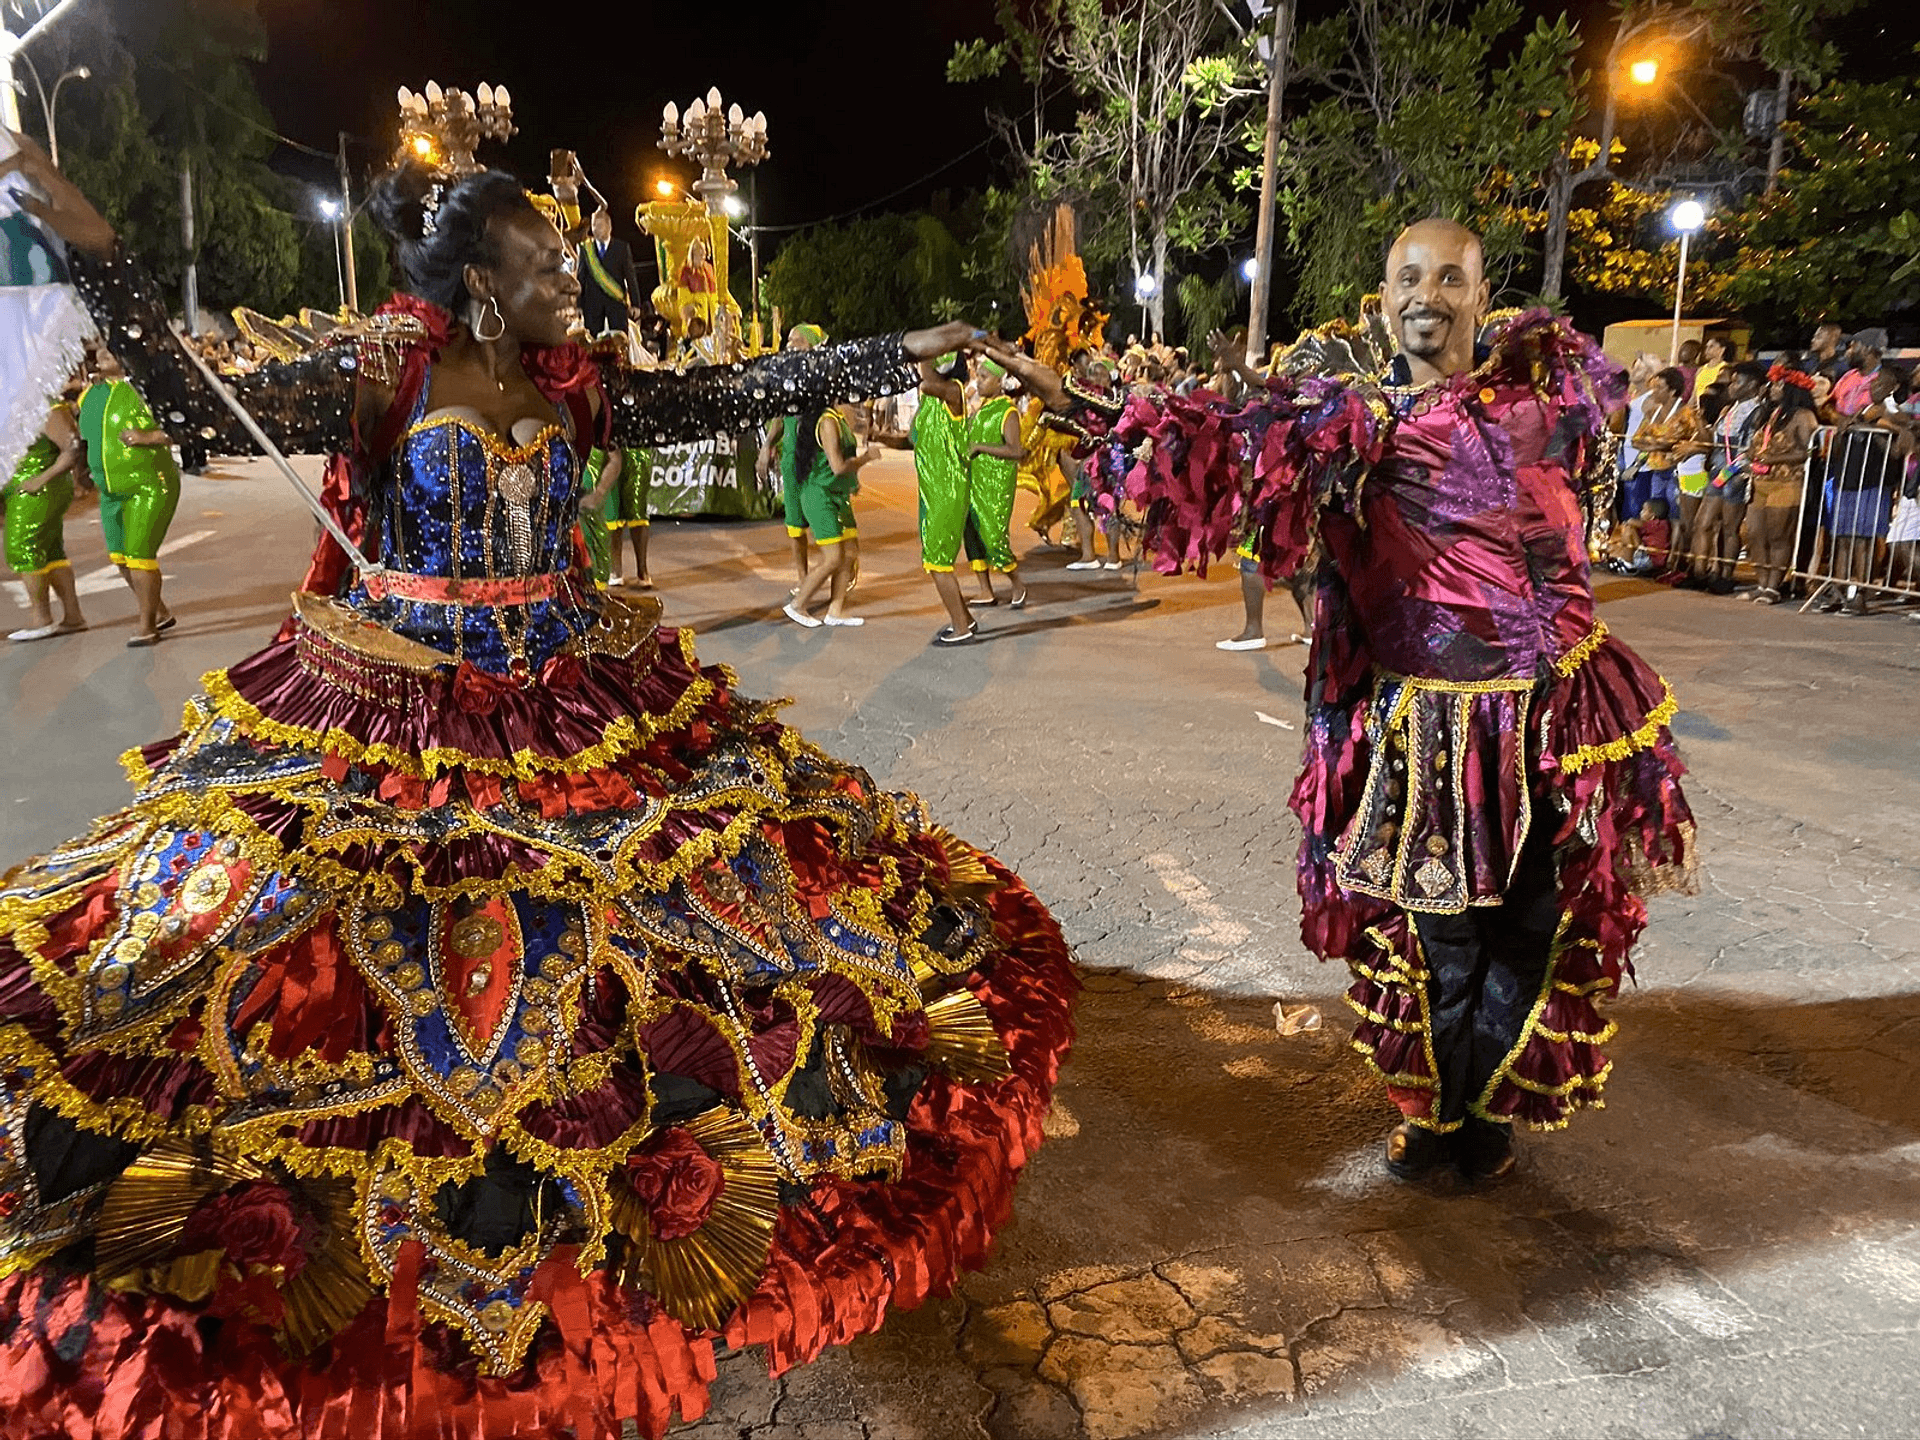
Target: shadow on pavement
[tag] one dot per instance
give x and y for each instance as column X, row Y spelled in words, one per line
column 1742, row 1138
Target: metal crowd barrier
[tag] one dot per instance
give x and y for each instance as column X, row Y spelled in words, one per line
column 1856, row 529
column 1851, row 483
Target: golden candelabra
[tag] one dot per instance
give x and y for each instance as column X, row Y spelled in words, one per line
column 714, row 138
column 442, row 128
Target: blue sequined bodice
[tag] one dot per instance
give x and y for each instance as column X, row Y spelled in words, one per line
column 460, row 504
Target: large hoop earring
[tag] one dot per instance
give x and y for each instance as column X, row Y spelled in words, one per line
column 498, row 319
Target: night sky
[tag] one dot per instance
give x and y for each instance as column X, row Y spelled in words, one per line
column 855, row 93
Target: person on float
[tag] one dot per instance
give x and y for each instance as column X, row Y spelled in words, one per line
column 131, row 459
column 609, row 284
column 993, row 450
column 36, row 501
column 481, row 1005
column 1489, row 790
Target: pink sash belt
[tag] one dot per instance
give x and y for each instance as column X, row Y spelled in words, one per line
column 444, row 590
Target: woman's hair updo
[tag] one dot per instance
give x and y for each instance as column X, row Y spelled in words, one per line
column 438, row 236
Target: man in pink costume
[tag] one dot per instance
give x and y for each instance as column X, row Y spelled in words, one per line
column 1489, row 791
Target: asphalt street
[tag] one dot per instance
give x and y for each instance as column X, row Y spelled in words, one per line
column 1208, row 1246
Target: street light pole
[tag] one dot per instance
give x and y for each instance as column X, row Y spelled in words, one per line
column 11, row 46
column 1269, row 183
column 346, row 222
column 1687, row 217
column 49, row 104
column 332, row 212
column 78, row 72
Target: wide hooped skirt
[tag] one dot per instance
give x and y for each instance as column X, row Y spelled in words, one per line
column 467, row 1059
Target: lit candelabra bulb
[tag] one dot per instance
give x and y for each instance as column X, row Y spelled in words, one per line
column 486, row 93
column 760, row 123
column 735, row 116
column 502, row 98
column 670, row 117
column 434, row 92
column 696, row 112
column 713, row 98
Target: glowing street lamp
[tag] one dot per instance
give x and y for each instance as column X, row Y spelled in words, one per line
column 1249, row 268
column 1644, row 72
column 334, row 213
column 1686, row 217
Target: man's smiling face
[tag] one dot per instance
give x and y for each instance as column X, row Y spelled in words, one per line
column 1436, row 292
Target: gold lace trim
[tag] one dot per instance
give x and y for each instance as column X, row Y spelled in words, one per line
column 620, row 737
column 1644, row 738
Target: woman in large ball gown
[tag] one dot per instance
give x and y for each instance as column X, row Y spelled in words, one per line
column 483, row 1009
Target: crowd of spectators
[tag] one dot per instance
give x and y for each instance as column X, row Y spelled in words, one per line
column 1803, row 469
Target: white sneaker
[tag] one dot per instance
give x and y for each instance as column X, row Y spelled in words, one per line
column 1083, row 565
column 38, row 632
column 845, row 620
column 1259, row 642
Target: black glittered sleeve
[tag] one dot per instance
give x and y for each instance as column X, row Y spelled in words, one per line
column 305, row 406
column 660, row 407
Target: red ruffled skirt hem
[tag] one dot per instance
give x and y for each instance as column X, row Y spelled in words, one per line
column 85, row 1363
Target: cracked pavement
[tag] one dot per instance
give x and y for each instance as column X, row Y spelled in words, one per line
column 1207, row 1246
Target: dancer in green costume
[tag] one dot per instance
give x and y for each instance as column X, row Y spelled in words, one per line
column 993, row 451
column 783, row 440
column 600, row 500
column 618, row 485
column 940, row 465
column 139, row 483
column 625, row 501
column 36, row 499
column 830, row 469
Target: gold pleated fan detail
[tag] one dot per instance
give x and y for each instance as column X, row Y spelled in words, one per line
column 961, row 1039
column 332, row 1287
column 702, row 1278
column 968, row 878
column 146, row 1209
column 146, row 1212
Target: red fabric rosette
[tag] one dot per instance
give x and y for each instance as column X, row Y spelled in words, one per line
column 678, row 1182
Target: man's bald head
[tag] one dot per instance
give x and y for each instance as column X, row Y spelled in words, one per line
column 1435, row 293
column 1437, row 231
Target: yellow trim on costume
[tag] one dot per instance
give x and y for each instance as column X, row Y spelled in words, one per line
column 133, row 564
column 495, row 446
column 834, row 541
column 1644, row 738
column 1584, row 651
column 937, row 569
column 794, row 532
column 850, row 532
column 979, row 566
column 619, row 738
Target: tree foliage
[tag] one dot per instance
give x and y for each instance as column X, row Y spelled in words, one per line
column 869, row 276
column 1831, row 241
column 1413, row 114
column 171, row 86
column 1161, row 86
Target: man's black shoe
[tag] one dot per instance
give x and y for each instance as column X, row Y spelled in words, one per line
column 1483, row 1150
column 1414, row 1152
